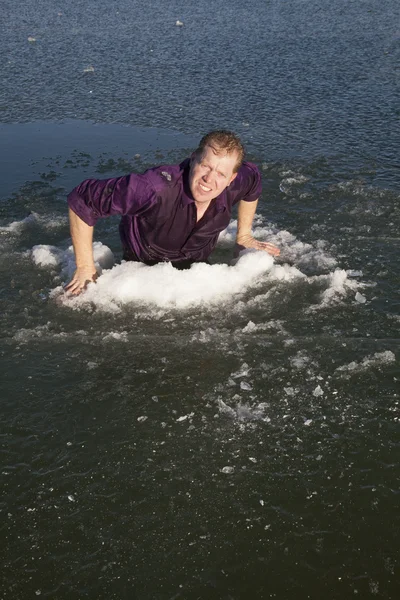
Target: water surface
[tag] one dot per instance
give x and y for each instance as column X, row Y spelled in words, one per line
column 231, row 431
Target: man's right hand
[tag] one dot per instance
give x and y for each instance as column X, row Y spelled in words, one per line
column 80, row 280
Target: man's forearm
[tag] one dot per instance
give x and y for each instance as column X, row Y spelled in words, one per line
column 244, row 236
column 82, row 239
column 246, row 212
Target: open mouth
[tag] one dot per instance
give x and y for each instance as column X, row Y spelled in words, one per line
column 204, row 188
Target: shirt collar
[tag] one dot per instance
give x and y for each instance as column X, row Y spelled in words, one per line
column 187, row 197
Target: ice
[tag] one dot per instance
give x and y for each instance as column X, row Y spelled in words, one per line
column 285, row 273
column 115, row 335
column 242, row 372
column 227, row 470
column 318, row 391
column 245, row 386
column 46, row 256
column 19, row 226
column 184, row 417
column 142, row 419
column 293, row 250
column 163, row 288
column 360, row 298
column 41, row 331
column 338, row 287
column 50, row 256
column 289, row 391
column 273, row 324
column 244, row 412
column 250, row 327
column 294, row 180
column 166, row 287
column 300, row 361
column 338, row 284
column 48, row 222
column 224, row 408
column 379, row 358
column 203, row 336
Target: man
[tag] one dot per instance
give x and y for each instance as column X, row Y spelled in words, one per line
column 170, row 213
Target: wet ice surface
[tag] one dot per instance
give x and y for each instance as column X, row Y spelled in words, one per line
column 204, row 425
column 202, row 286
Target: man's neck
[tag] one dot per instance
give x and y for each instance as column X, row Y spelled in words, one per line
column 201, row 208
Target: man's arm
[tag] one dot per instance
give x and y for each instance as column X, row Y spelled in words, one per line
column 244, row 237
column 93, row 199
column 82, row 239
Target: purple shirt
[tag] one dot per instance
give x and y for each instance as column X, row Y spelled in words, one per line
column 159, row 213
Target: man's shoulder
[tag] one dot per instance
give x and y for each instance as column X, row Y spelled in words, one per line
column 247, row 183
column 165, row 177
column 248, row 170
column 248, row 176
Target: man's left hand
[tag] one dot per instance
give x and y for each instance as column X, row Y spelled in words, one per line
column 250, row 242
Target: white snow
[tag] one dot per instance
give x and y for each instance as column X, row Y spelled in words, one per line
column 162, row 287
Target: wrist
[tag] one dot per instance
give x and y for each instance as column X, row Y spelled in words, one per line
column 87, row 266
column 243, row 236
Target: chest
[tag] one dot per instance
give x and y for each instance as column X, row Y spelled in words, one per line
column 175, row 225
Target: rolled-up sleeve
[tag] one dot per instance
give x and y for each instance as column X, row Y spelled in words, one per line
column 128, row 195
column 252, row 183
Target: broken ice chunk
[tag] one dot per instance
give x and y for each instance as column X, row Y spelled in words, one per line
column 227, row 470
column 245, row 386
column 360, row 298
column 184, row 417
column 243, row 371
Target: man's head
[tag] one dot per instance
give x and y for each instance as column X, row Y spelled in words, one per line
column 214, row 165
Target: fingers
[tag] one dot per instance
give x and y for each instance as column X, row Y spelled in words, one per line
column 77, row 285
column 270, row 248
column 251, row 242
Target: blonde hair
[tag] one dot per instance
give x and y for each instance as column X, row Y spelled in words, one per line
column 221, row 141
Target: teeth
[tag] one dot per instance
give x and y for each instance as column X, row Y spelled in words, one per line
column 206, row 189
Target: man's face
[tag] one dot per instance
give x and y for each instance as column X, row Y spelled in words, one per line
column 211, row 173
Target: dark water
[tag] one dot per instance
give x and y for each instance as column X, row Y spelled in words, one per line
column 243, row 445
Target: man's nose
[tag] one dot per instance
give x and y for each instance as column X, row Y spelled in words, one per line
column 207, row 176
